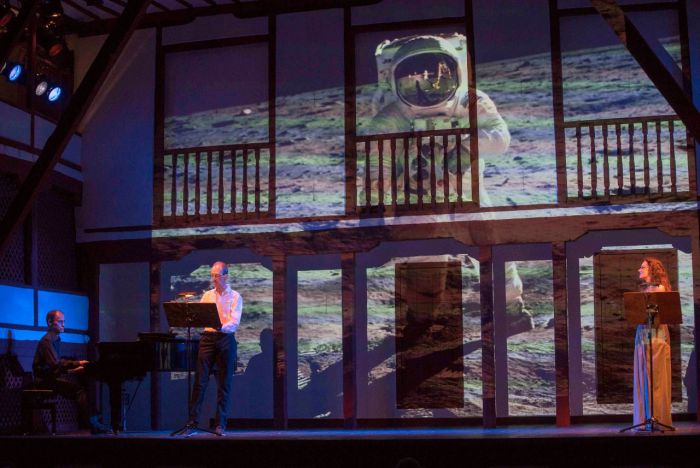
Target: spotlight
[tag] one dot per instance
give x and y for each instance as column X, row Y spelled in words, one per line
column 50, row 40
column 41, row 85
column 54, row 93
column 52, row 9
column 12, row 71
column 6, row 13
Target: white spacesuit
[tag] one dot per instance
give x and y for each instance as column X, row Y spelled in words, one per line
column 423, row 85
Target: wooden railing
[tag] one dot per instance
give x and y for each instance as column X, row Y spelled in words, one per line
column 629, row 159
column 407, row 172
column 212, row 184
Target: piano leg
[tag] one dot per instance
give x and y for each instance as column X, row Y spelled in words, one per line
column 115, row 404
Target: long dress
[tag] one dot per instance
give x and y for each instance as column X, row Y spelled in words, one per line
column 661, row 347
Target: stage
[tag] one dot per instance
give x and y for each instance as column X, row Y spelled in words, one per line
column 590, row 445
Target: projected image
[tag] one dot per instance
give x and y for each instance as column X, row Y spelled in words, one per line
column 427, row 88
column 422, row 86
column 254, row 283
column 413, row 138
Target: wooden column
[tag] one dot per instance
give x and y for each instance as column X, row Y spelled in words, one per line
column 558, row 102
column 159, row 131
column 279, row 377
column 561, row 335
column 272, row 111
column 350, row 115
column 695, row 255
column 573, row 293
column 488, row 371
column 349, row 342
column 500, row 334
column 154, row 319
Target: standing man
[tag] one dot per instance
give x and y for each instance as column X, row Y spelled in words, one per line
column 51, row 371
column 217, row 347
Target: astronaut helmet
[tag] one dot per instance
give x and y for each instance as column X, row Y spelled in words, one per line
column 424, row 74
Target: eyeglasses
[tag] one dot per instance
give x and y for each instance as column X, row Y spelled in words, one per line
column 216, row 276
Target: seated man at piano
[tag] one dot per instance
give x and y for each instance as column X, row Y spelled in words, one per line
column 51, row 372
column 217, row 347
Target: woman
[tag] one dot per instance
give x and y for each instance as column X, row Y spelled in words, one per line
column 654, row 278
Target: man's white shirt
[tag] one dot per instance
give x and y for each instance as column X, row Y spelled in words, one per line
column 229, row 304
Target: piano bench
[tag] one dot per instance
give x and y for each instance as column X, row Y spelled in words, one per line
column 33, row 400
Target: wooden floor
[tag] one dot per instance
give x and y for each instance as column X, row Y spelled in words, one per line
column 579, row 445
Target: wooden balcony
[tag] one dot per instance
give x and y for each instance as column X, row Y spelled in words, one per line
column 214, row 185
column 413, row 172
column 629, row 160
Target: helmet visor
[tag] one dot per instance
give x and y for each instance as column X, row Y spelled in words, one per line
column 426, row 79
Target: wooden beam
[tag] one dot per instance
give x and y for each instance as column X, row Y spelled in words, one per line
column 558, row 102
column 349, row 342
column 651, row 63
column 694, row 364
column 154, row 326
column 272, row 111
column 56, row 143
column 279, row 365
column 561, row 334
column 183, row 16
column 159, row 132
column 488, row 368
column 15, row 29
column 350, row 115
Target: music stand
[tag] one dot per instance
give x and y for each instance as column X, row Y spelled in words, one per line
column 652, row 309
column 188, row 315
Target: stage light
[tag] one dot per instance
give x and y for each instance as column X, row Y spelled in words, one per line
column 41, row 85
column 54, row 93
column 52, row 9
column 6, row 13
column 12, row 71
column 50, row 40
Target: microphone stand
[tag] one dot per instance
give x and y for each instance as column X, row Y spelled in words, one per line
column 651, row 421
column 188, row 364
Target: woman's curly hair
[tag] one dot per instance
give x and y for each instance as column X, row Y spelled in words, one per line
column 657, row 273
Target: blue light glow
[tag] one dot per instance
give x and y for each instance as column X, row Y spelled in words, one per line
column 74, row 306
column 15, row 72
column 54, row 94
column 35, row 335
column 17, row 305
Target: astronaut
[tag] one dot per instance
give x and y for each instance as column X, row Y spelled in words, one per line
column 423, row 86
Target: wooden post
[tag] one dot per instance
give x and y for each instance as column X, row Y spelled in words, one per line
column 487, row 336
column 349, row 342
column 695, row 255
column 154, row 319
column 561, row 337
column 350, row 130
column 272, row 114
column 279, row 377
column 500, row 334
column 558, row 103
column 159, row 134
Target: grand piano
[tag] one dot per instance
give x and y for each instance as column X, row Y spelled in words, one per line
column 122, row 361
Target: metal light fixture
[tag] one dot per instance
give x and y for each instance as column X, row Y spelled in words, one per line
column 7, row 14
column 54, row 93
column 51, row 9
column 41, row 85
column 12, row 71
column 50, row 40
